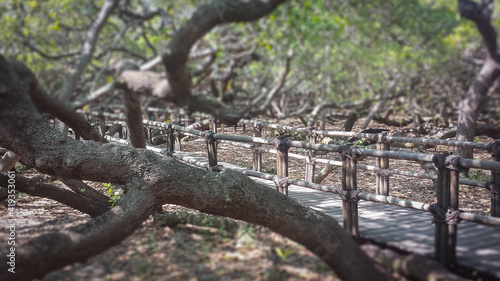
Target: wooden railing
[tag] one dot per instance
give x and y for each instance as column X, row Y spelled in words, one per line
column 445, row 211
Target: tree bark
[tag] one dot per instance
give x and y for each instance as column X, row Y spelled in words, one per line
column 150, row 180
column 480, row 14
column 74, row 200
column 203, row 20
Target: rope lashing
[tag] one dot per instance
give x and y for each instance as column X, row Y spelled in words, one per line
column 494, row 189
column 209, row 137
column 438, row 213
column 349, row 195
column 311, row 132
column 351, row 152
column 384, row 138
column 170, row 128
column 439, row 160
column 383, row 172
column 494, row 147
column 452, row 162
column 453, row 216
column 216, row 168
column 310, row 160
column 167, row 153
column 281, row 145
column 441, row 216
column 281, row 182
column 257, row 124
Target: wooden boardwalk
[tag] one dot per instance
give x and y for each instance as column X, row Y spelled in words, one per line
column 478, row 246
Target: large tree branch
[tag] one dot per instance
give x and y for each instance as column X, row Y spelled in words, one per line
column 76, row 200
column 480, row 14
column 204, row 19
column 87, row 50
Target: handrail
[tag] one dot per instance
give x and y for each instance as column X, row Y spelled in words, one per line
column 389, row 200
column 372, row 137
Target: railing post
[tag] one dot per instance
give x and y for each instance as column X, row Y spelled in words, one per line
column 177, row 135
column 349, row 193
column 124, row 131
column 170, row 138
column 149, row 134
column 494, row 185
column 310, row 160
column 452, row 216
column 102, row 121
column 213, row 124
column 257, row 154
column 382, row 172
column 281, row 179
column 445, row 211
column 212, row 151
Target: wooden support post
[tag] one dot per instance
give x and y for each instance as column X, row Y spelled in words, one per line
column 349, row 192
column 452, row 164
column 124, row 131
column 148, row 134
column 310, row 160
column 445, row 211
column 282, row 165
column 494, row 185
column 170, row 138
column 257, row 154
column 177, row 135
column 437, row 210
column 102, row 121
column 212, row 151
column 382, row 172
column 213, row 124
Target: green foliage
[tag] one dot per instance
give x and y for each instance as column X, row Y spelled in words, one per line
column 113, row 196
column 284, row 253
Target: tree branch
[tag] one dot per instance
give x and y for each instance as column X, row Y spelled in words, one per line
column 88, row 48
column 77, row 201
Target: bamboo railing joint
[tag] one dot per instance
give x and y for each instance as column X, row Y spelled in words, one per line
column 494, row 189
column 453, row 216
column 384, row 138
column 310, row 160
column 494, row 147
column 438, row 213
column 281, row 144
column 281, row 182
column 439, row 160
column 382, row 172
column 351, row 152
column 452, row 162
column 349, row 195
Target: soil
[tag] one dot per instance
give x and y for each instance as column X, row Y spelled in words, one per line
column 190, row 252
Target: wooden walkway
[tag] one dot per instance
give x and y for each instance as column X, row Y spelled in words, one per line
column 478, row 246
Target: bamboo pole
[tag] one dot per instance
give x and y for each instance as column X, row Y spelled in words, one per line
column 257, row 154
column 453, row 212
column 282, row 165
column 211, row 150
column 170, row 138
column 310, row 160
column 349, row 192
column 382, row 175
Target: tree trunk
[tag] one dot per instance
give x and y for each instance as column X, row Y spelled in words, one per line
column 480, row 14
